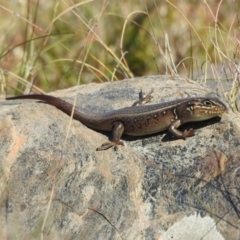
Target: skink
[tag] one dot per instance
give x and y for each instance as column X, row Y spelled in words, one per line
column 142, row 120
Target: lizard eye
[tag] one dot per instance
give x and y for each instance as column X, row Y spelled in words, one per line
column 207, row 103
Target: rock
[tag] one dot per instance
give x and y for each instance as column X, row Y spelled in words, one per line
column 55, row 185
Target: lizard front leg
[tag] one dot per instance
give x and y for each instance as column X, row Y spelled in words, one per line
column 117, row 131
column 178, row 134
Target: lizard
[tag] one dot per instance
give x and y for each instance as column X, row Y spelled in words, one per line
column 139, row 119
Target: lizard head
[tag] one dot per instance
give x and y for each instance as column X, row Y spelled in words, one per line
column 200, row 109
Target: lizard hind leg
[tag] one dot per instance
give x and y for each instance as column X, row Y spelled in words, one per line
column 117, row 131
column 143, row 100
column 118, row 127
column 108, row 145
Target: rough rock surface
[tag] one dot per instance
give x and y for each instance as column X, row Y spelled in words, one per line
column 54, row 184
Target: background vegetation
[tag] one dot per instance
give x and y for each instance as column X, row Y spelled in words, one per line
column 48, row 45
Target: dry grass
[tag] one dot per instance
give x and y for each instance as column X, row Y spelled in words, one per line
column 49, row 45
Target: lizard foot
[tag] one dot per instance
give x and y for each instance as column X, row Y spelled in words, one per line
column 143, row 100
column 188, row 133
column 108, row 145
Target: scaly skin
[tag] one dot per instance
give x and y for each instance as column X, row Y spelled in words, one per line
column 142, row 120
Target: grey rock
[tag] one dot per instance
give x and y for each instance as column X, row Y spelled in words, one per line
column 54, row 184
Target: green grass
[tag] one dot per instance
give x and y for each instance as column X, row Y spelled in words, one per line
column 48, row 45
